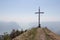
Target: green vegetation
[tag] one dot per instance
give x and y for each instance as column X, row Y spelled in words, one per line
column 12, row 35
column 6, row 36
column 31, row 34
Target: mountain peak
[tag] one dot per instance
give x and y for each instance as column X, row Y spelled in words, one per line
column 38, row 34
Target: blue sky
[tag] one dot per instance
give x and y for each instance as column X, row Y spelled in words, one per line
column 23, row 11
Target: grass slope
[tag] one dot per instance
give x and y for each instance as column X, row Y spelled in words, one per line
column 38, row 34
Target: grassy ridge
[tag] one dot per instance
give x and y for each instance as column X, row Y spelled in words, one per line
column 32, row 33
column 38, row 34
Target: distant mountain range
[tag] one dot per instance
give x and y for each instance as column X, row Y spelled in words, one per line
column 1, row 37
column 8, row 26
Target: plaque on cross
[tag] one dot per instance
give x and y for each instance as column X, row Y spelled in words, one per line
column 39, row 12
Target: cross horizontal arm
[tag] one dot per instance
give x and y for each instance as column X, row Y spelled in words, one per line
column 38, row 12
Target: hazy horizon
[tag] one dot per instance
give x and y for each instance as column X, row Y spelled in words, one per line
column 9, row 26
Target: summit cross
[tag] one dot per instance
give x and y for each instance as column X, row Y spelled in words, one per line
column 39, row 12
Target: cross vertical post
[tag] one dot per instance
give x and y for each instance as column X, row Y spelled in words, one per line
column 39, row 17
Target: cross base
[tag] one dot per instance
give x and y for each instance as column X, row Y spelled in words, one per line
column 39, row 26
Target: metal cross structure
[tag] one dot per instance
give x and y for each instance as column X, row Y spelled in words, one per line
column 39, row 16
